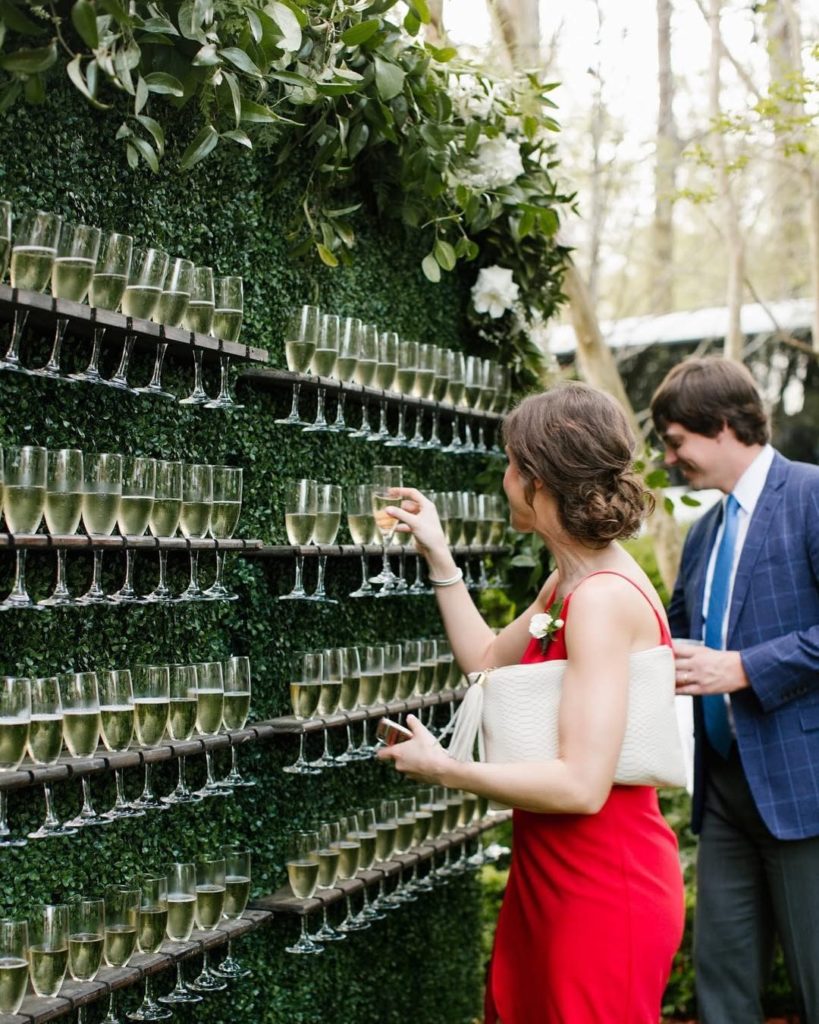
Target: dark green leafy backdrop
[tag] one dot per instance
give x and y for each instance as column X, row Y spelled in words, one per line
column 424, row 962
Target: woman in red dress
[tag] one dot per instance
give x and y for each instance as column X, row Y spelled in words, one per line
column 593, row 910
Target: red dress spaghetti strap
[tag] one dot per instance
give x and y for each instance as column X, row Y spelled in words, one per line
column 593, row 911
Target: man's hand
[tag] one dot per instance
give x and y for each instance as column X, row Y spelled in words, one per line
column 702, row 671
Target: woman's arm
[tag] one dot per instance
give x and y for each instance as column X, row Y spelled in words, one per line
column 606, row 615
column 474, row 645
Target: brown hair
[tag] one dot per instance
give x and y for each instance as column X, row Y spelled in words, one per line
column 704, row 395
column 577, row 442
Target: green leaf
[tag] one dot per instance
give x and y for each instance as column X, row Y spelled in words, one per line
column 237, row 135
column 471, row 136
column 160, row 82
column 298, row 13
column 360, row 33
column 30, row 61
column 389, row 79
column 690, row 500
column 668, row 505
column 239, row 59
column 326, row 257
column 444, row 254
column 84, row 20
column 155, row 128
column 412, row 23
column 443, row 54
column 431, row 269
column 9, row 94
column 235, row 95
column 256, row 113
column 421, row 9
column 17, row 21
column 657, row 478
column 34, row 90
column 189, row 20
column 141, row 94
column 288, row 24
column 146, row 151
column 255, row 25
column 291, row 77
column 359, row 136
column 204, row 143
column 74, row 70
column 116, row 10
column 206, row 57
column 132, row 154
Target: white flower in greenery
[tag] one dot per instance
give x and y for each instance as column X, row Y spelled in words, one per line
column 542, row 625
column 472, row 97
column 496, row 162
column 494, row 292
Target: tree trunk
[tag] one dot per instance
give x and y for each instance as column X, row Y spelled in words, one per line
column 519, row 24
column 734, row 245
column 665, row 167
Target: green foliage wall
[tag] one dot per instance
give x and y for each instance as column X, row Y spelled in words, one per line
column 424, row 961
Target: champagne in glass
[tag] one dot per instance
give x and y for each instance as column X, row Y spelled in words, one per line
column 140, row 300
column 422, row 388
column 133, row 515
column 63, row 509
column 404, row 382
column 305, row 690
column 365, row 372
column 300, row 339
column 153, row 920
column 121, row 929
column 300, row 507
column 181, row 907
column 227, row 507
column 323, row 365
column 303, row 875
column 237, row 893
column 227, row 323
column 210, row 904
column 86, row 937
column 117, row 729
column 48, row 948
column 79, row 693
column 325, row 529
column 385, row 479
column 386, row 834
column 329, row 861
column 171, row 308
column 152, row 707
column 100, row 503
column 194, row 520
column 107, row 288
column 181, row 725
column 348, row 350
column 332, row 683
column 164, row 520
column 198, row 319
column 235, row 712
column 15, row 718
column 5, row 242
column 32, row 256
column 363, row 531
column 13, row 964
column 71, row 276
column 24, row 496
column 45, row 744
column 210, row 705
column 385, row 371
column 455, row 390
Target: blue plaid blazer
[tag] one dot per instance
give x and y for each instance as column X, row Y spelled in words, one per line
column 774, row 623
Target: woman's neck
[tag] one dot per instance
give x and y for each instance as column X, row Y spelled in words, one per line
column 576, row 561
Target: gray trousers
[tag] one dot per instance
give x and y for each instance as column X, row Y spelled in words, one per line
column 751, row 888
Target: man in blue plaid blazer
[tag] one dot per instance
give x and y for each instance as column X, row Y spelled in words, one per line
column 749, row 586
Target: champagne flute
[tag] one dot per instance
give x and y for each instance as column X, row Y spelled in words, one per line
column 45, row 744
column 237, row 893
column 332, row 682
column 181, row 725
column 169, row 311
column 392, row 673
column 198, row 318
column 153, row 920
column 405, row 380
column 300, row 506
column 300, row 340
column 63, row 509
column 15, row 718
column 121, row 928
column 24, row 495
column 100, row 503
column 486, row 400
column 372, row 671
column 81, row 731
column 234, row 713
column 227, row 507
column 194, row 520
column 325, row 529
column 402, row 540
column 86, row 937
column 427, row 668
column 107, row 288
column 164, row 520
column 404, row 840
column 349, row 847
column 438, row 810
column 363, row 530
column 423, row 831
column 117, row 729
column 454, row 393
column 140, row 299
column 348, row 349
column 366, row 835
column 227, row 323
column 385, row 371
column 48, row 948
column 5, row 237
column 424, row 381
column 348, row 701
column 323, row 364
column 469, row 506
column 364, row 372
column 303, row 875
column 385, row 479
column 32, row 256
column 210, row 704
column 440, row 381
column 152, row 708
column 410, row 668
column 306, row 678
column 473, row 380
column 386, row 831
column 181, row 907
column 133, row 514
column 71, row 276
column 329, row 857
column 14, row 963
column 210, row 903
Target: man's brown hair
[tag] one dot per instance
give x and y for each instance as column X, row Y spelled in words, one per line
column 705, row 395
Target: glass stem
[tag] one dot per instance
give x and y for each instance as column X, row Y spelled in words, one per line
column 121, row 376
column 147, row 789
column 382, row 420
column 18, row 591
column 162, row 586
column 60, row 587
column 96, row 579
column 87, row 807
column 434, row 442
column 224, row 363
column 128, row 585
column 210, row 781
column 220, row 568
column 387, row 571
column 51, row 819
column 294, row 405
column 320, row 419
column 156, row 377
column 13, row 353
column 93, row 368
column 182, row 783
column 197, row 370
column 339, row 423
column 365, row 583
column 53, row 364
column 194, row 583
column 365, row 427
column 318, row 593
column 4, row 828
column 298, row 586
column 121, row 803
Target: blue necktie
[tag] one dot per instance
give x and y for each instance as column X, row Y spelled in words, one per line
column 716, row 714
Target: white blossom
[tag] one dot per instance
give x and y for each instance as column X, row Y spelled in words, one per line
column 496, row 162
column 542, row 624
column 494, row 291
column 472, row 97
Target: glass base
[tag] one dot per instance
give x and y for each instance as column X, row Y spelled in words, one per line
column 118, row 385
column 305, row 946
column 120, row 813
column 47, row 831
column 223, row 403
column 181, row 798
column 289, row 421
column 7, row 842
column 237, row 782
column 207, row 982
column 327, row 934
column 125, row 597
column 301, row 769
column 152, row 803
column 295, row 595
column 157, row 392
column 212, row 790
column 363, row 592
column 179, row 996
column 195, row 398
column 353, row 925
column 162, row 595
column 150, row 1011
column 86, row 376
column 20, row 602
column 92, row 597
column 231, row 969
column 321, row 599
column 87, row 821
column 57, row 601
column 44, row 371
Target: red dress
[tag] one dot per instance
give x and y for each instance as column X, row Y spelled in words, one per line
column 593, row 910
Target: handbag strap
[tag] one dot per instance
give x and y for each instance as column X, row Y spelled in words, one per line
column 466, row 726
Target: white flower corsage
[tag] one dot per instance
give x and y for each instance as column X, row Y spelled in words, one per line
column 544, row 625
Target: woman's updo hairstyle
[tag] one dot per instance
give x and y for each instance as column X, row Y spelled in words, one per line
column 578, row 443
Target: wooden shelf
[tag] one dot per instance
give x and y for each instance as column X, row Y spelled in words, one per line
column 356, row 550
column 79, row 542
column 43, row 311
column 276, row 379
